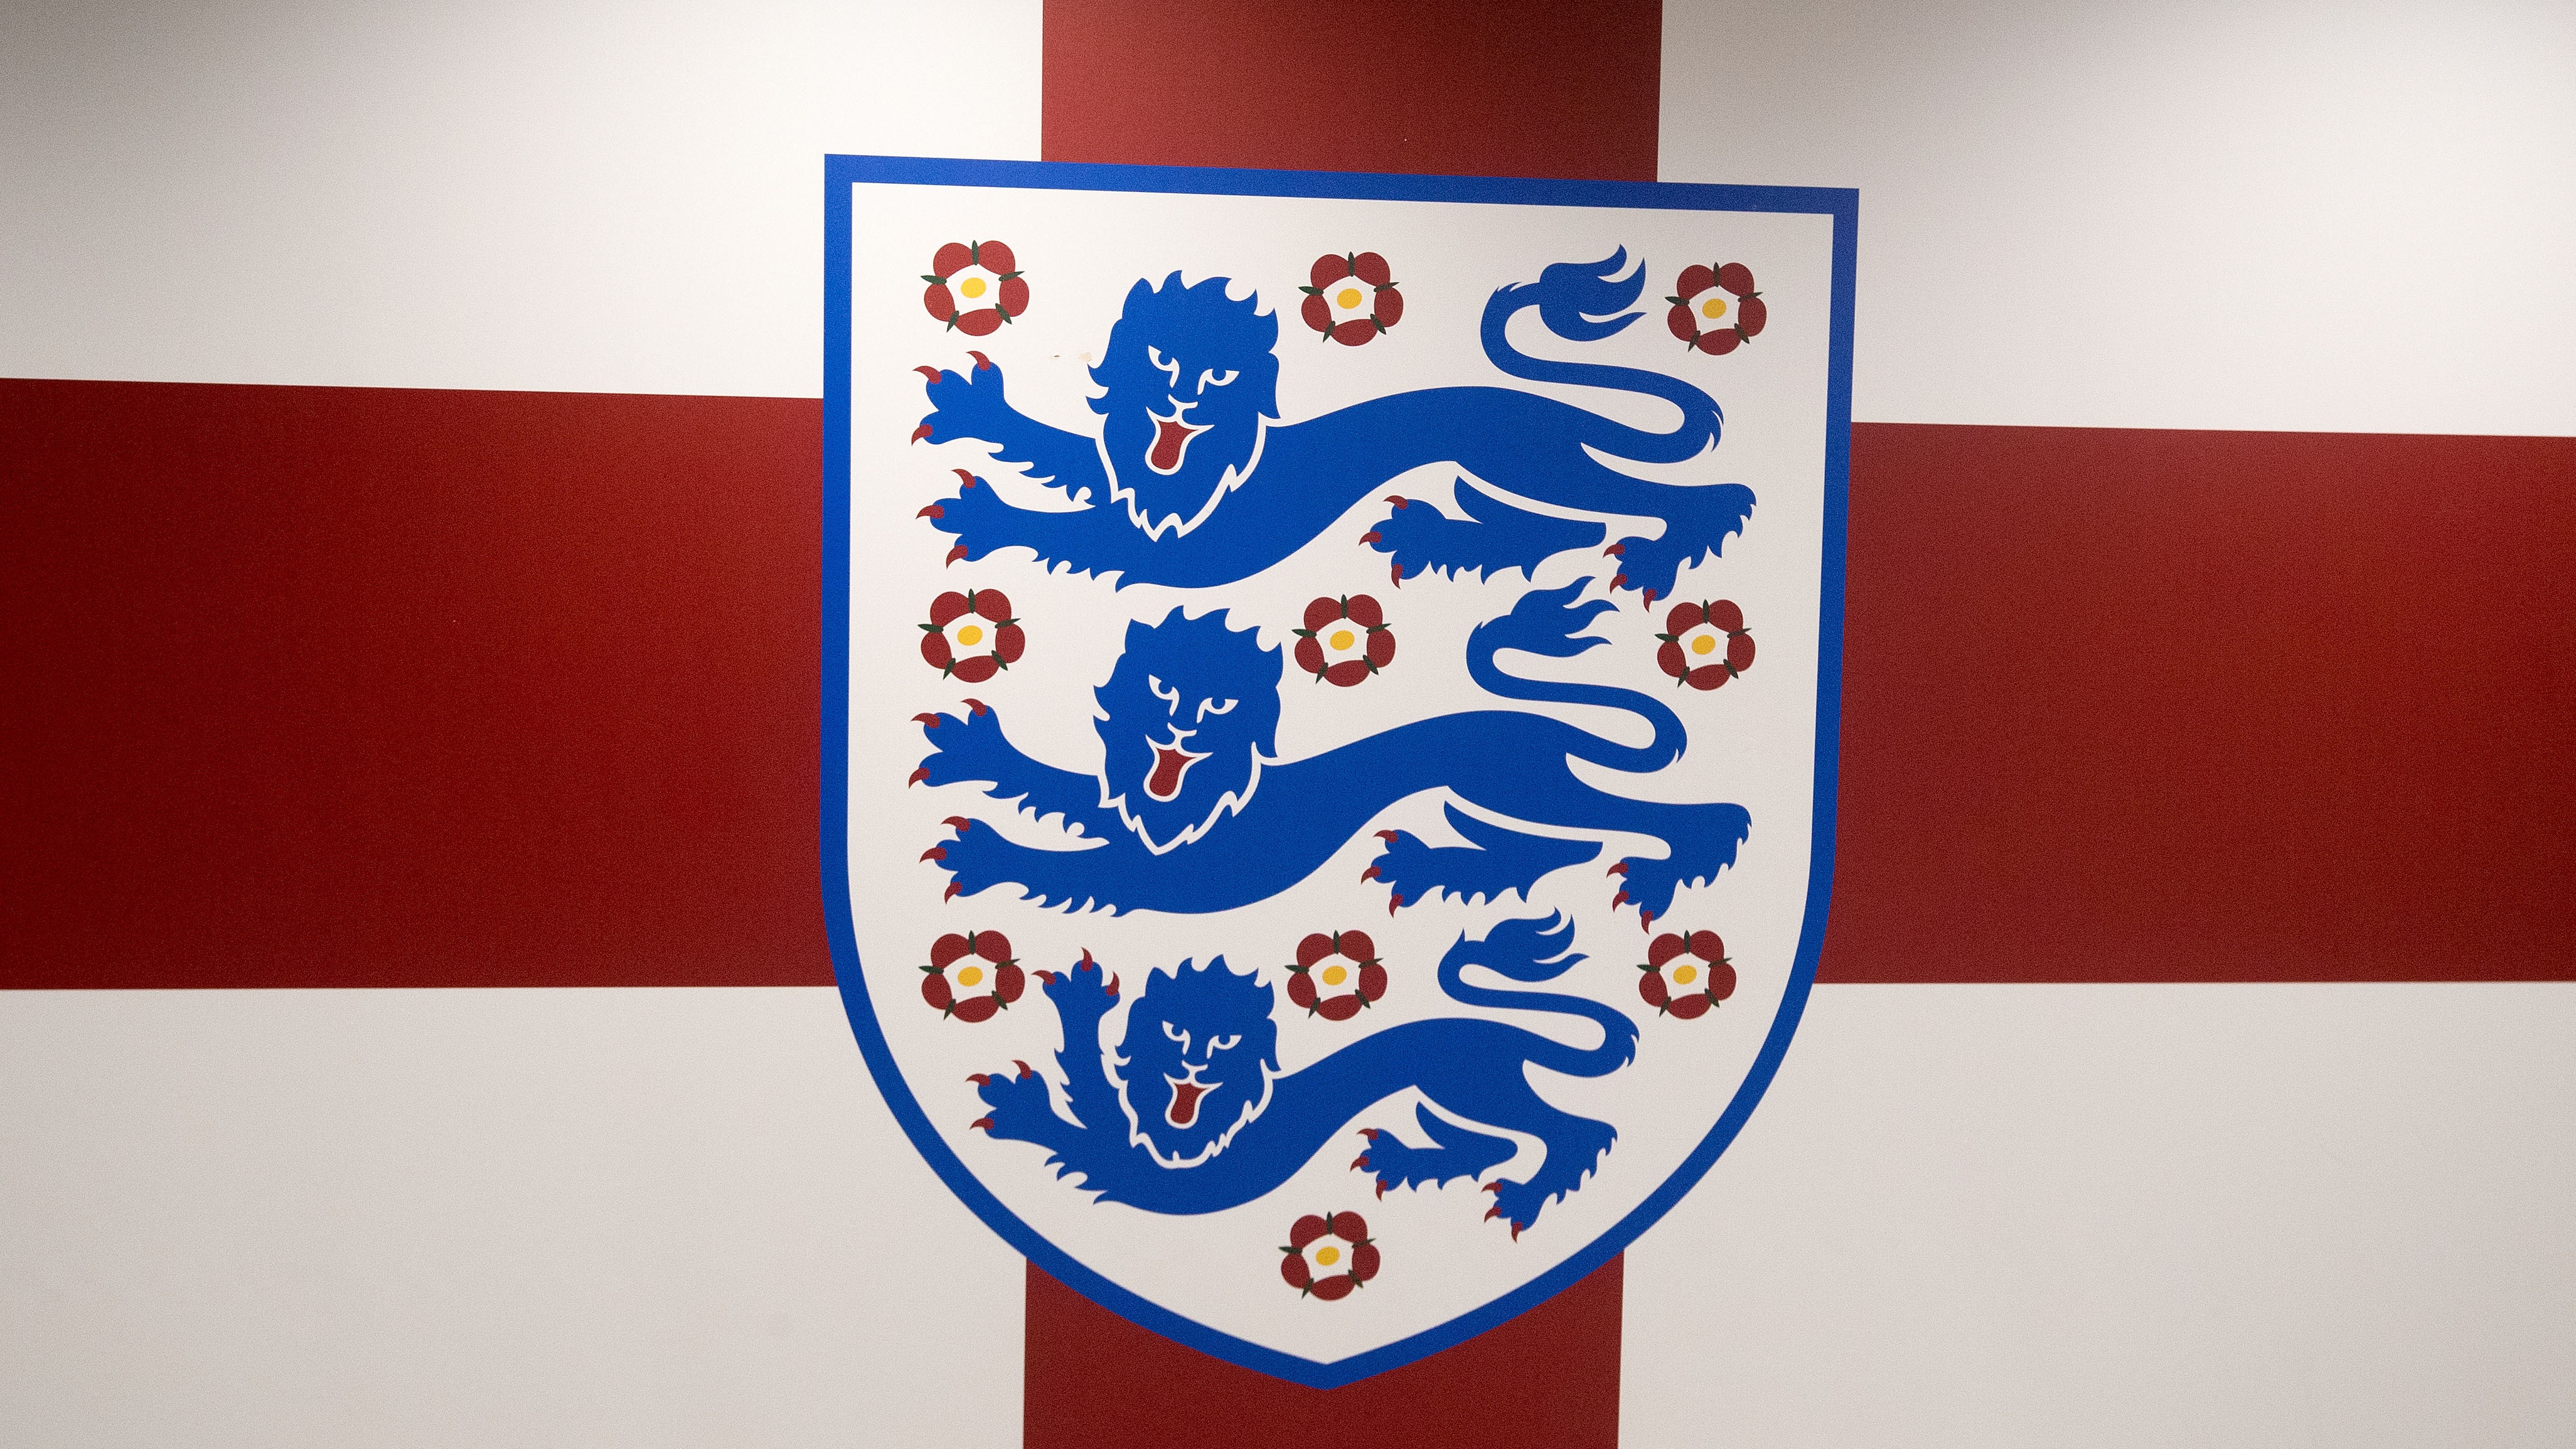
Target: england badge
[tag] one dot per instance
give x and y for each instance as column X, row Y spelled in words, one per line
column 1329, row 698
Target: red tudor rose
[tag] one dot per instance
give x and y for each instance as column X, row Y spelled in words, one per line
column 1716, row 311
column 1705, row 645
column 959, row 964
column 1328, row 1255
column 975, row 287
column 1352, row 299
column 1345, row 640
column 1686, row 975
column 1336, row 974
column 976, row 619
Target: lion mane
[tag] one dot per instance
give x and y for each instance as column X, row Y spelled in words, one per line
column 1197, row 1062
column 1189, row 385
column 1186, row 721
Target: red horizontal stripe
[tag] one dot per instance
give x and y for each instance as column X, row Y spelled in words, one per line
column 347, row 687
column 352, row 687
column 2126, row 705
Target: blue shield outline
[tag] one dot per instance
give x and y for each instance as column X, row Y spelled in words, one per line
column 841, row 175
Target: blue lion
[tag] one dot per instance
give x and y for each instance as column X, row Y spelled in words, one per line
column 1189, row 402
column 1190, row 1114
column 1190, row 812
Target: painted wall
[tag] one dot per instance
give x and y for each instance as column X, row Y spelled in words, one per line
column 2208, row 1213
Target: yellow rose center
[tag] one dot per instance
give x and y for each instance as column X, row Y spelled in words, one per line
column 1335, row 975
column 1714, row 307
column 1348, row 297
column 1686, row 974
column 973, row 635
column 1341, row 639
column 1701, row 645
column 1328, row 1256
column 974, row 287
column 971, row 976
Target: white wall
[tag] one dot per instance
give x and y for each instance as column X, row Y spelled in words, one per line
column 2274, row 215
column 1996, row 1216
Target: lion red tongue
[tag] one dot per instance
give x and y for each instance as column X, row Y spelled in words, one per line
column 1169, row 765
column 1185, row 1102
column 1170, row 438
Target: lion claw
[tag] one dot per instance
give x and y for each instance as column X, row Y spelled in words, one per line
column 1619, row 869
column 978, row 1078
column 977, row 706
column 936, row 852
column 1045, row 978
column 954, row 555
column 1025, row 1073
column 1369, row 537
column 1359, row 1162
column 926, row 720
column 928, row 371
column 1369, row 874
column 1399, row 500
column 982, row 363
column 1616, row 550
column 1369, row 1132
column 965, row 480
column 1112, row 988
column 1650, row 598
column 954, row 887
column 960, row 821
column 1645, row 919
column 933, row 511
column 1516, row 1230
column 1618, row 581
column 1393, row 901
column 921, row 432
column 919, row 774
column 1395, row 574
column 1381, row 1189
column 1389, row 836
column 1619, row 900
column 1492, row 1213
column 984, row 1122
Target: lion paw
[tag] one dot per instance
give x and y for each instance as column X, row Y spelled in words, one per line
column 1455, row 1152
column 977, row 516
column 1695, row 530
column 1083, row 992
column 963, row 405
column 965, row 748
column 1016, row 1104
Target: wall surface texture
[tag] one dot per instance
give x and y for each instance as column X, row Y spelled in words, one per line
column 409, row 824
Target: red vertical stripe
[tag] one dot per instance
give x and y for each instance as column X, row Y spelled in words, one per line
column 1501, row 88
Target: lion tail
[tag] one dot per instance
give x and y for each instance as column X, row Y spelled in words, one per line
column 1585, row 302
column 1540, row 950
column 1550, row 622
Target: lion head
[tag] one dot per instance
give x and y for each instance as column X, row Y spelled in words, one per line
column 1188, row 382
column 1188, row 715
column 1197, row 1060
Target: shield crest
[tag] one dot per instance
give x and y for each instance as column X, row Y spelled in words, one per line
column 1330, row 695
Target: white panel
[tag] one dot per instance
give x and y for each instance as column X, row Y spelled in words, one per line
column 593, row 198
column 2131, row 1215
column 610, row 1217
column 2284, row 214
column 2210, row 1215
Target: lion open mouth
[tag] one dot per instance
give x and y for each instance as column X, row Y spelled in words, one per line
column 1185, row 1101
column 1171, row 440
column 1170, row 764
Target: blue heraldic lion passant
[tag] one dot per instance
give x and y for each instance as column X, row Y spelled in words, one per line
column 1189, row 1113
column 1195, row 482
